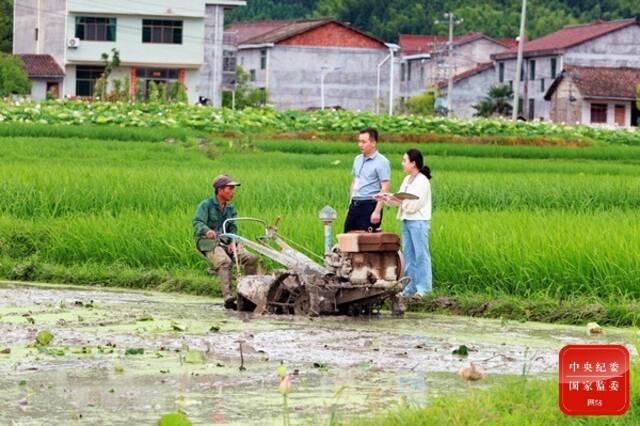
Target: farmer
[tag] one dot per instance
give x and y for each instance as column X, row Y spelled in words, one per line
column 415, row 216
column 207, row 227
column 371, row 175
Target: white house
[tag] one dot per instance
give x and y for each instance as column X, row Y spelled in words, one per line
column 163, row 41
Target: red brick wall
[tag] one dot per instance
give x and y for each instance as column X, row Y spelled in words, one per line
column 333, row 35
column 133, row 82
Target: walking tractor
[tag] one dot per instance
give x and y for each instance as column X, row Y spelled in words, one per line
column 360, row 273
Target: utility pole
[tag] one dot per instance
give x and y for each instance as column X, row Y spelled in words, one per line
column 516, row 88
column 450, row 68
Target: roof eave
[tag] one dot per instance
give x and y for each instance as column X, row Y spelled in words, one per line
column 255, row 46
column 610, row 98
column 530, row 54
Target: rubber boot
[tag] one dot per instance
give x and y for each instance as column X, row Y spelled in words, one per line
column 225, row 283
column 398, row 305
column 251, row 268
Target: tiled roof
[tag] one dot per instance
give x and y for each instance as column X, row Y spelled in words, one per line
column 41, row 66
column 263, row 32
column 246, row 30
column 411, row 44
column 469, row 73
column 569, row 36
column 600, row 82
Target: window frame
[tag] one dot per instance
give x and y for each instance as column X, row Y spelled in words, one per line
column 94, row 72
column 604, row 111
column 532, row 69
column 96, row 28
column 263, row 59
column 554, row 67
column 162, row 31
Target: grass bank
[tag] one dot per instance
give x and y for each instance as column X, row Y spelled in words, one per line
column 519, row 401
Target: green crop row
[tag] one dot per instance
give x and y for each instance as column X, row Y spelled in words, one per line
column 513, row 252
column 53, row 178
column 505, row 224
column 266, row 119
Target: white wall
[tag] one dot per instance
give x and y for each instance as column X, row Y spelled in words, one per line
column 134, row 52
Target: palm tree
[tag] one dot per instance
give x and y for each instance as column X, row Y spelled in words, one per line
column 496, row 102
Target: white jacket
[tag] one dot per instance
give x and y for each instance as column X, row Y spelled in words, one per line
column 419, row 209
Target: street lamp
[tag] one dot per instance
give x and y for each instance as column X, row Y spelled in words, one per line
column 323, row 72
column 392, row 48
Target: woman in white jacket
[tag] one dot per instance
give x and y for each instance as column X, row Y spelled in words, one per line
column 415, row 216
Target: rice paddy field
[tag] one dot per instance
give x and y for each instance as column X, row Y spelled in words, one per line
column 112, row 206
column 547, row 233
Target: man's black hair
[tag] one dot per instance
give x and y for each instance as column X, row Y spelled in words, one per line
column 373, row 133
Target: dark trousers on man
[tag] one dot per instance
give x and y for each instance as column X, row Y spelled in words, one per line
column 359, row 216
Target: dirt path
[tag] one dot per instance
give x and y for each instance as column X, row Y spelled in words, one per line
column 339, row 364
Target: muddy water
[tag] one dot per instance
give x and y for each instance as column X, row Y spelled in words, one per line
column 338, row 365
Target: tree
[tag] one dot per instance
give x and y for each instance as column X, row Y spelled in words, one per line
column 6, row 26
column 245, row 96
column 100, row 90
column 422, row 104
column 497, row 102
column 13, row 77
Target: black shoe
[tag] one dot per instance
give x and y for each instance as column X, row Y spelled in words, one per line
column 230, row 303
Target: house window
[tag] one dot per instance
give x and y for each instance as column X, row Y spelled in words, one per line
column 161, row 31
column 263, row 59
column 86, row 77
column 554, row 63
column 252, row 75
column 403, row 71
column 532, row 70
column 408, row 71
column 95, row 29
column 598, row 113
column 511, row 84
column 36, row 34
column 620, row 115
column 522, row 74
column 532, row 108
column 228, row 61
column 501, row 72
column 542, row 85
column 422, row 73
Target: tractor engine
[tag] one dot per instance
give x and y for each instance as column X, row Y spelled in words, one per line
column 366, row 258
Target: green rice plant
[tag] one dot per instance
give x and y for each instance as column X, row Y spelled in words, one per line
column 32, row 130
column 608, row 152
column 515, row 225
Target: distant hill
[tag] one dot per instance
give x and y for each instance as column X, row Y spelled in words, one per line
column 387, row 18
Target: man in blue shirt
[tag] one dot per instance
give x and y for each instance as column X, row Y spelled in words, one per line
column 371, row 175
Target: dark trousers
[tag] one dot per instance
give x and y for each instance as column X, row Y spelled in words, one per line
column 359, row 216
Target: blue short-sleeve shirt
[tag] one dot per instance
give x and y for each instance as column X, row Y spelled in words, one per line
column 369, row 173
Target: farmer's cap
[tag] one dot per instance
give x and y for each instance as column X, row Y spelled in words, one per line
column 224, row 180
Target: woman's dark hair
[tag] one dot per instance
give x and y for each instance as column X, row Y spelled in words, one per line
column 416, row 157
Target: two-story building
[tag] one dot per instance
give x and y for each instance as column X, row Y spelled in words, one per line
column 162, row 41
column 307, row 64
column 611, row 44
column 425, row 62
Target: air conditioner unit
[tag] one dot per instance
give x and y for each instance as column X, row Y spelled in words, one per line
column 73, row 43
